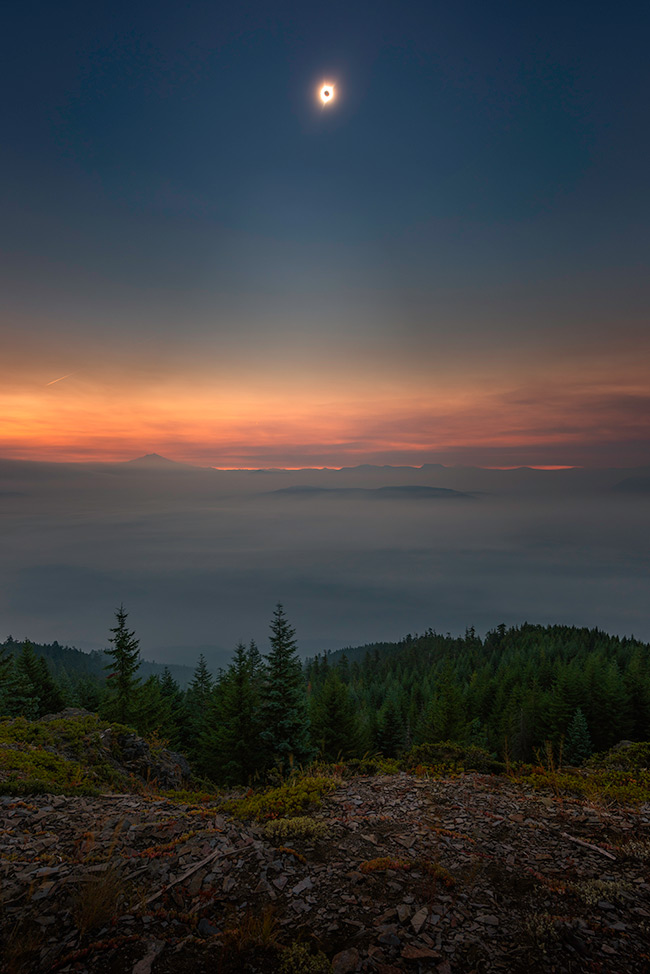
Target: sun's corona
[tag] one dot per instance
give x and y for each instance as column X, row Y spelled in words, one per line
column 326, row 93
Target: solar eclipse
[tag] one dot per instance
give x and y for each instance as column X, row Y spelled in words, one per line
column 326, row 94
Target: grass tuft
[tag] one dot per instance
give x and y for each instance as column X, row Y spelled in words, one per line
column 97, row 899
column 259, row 930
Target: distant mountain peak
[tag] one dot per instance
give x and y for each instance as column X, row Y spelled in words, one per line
column 154, row 460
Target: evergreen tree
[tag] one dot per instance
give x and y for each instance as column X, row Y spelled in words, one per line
column 198, row 701
column 5, row 671
column 232, row 748
column 343, row 667
column 175, row 712
column 620, row 721
column 201, row 685
column 67, row 688
column 88, row 693
column 50, row 695
column 37, row 693
column 448, row 722
column 125, row 662
column 26, row 666
column 565, row 699
column 637, row 689
column 368, row 730
column 286, row 724
column 476, row 735
column 334, row 727
column 21, row 698
column 150, row 710
column 444, row 719
column 255, row 662
column 577, row 745
column 522, row 721
column 390, row 732
column 256, row 669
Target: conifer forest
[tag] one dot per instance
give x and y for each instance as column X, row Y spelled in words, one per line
column 509, row 693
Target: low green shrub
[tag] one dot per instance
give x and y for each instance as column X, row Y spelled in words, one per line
column 60, row 755
column 597, row 784
column 186, row 796
column 590, row 891
column 623, row 757
column 278, row 830
column 298, row 959
column 288, row 800
column 58, row 732
column 348, row 768
column 50, row 771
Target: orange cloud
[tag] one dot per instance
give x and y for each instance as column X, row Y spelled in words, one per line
column 230, row 427
column 330, row 406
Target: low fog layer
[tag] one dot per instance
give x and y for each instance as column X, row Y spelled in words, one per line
column 199, row 557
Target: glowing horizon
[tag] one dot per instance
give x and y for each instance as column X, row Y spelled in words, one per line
column 475, row 422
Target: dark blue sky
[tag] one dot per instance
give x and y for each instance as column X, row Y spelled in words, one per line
column 475, row 203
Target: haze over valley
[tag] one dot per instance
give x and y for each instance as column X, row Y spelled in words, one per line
column 199, row 556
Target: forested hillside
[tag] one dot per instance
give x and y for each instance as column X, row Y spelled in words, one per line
column 508, row 693
column 73, row 668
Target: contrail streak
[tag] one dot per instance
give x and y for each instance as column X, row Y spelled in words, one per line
column 60, row 379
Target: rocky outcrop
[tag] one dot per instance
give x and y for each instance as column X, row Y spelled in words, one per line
column 164, row 768
column 108, row 755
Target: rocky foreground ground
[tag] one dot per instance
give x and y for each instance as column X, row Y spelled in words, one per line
column 447, row 875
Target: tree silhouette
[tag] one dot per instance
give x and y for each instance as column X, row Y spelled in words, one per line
column 286, row 723
column 125, row 662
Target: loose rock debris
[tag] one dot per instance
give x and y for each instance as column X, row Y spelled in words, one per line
column 448, row 875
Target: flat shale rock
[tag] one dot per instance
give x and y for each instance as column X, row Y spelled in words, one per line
column 445, row 875
column 411, row 952
column 346, row 961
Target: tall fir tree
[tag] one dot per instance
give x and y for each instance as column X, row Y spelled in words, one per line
column 334, row 725
column 444, row 718
column 33, row 681
column 577, row 745
column 49, row 691
column 26, row 665
column 232, row 748
column 390, row 733
column 201, row 684
column 175, row 715
column 5, row 673
column 198, row 701
column 125, row 662
column 150, row 710
column 255, row 662
column 286, row 722
column 637, row 690
column 21, row 697
column 88, row 693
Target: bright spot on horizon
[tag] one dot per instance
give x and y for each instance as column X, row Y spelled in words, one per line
column 326, row 93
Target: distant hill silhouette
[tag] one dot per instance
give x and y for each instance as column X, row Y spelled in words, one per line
column 403, row 492
column 633, row 485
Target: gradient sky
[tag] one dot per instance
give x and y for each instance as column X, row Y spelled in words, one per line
column 448, row 264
